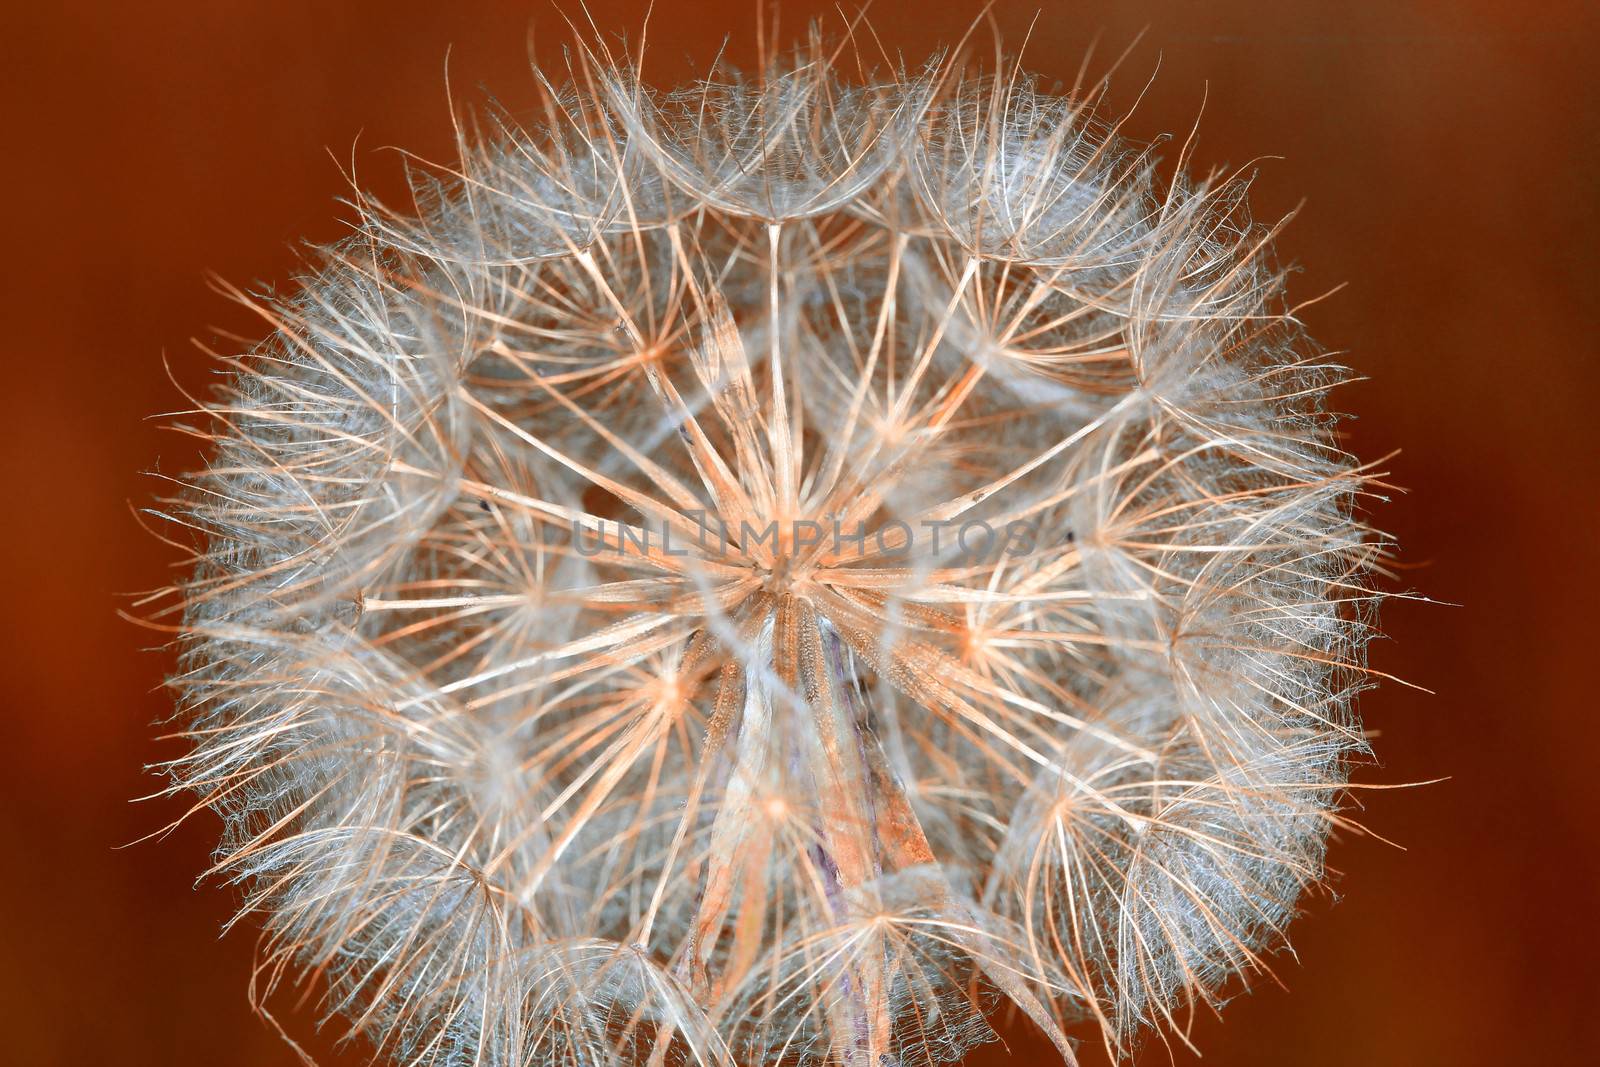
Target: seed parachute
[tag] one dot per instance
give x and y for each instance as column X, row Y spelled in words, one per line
column 1031, row 683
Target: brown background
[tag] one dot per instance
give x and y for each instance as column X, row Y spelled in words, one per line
column 1446, row 153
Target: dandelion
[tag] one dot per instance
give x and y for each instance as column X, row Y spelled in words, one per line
column 770, row 573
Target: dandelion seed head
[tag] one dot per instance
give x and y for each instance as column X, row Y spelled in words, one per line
column 764, row 572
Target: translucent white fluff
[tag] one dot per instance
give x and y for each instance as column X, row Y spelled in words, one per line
column 765, row 573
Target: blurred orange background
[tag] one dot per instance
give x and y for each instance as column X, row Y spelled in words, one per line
column 1446, row 153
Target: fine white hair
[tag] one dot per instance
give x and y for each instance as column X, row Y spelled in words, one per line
column 528, row 755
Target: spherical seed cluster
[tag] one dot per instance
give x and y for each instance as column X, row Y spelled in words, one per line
column 762, row 573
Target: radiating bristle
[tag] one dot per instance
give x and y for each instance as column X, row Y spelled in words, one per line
column 762, row 573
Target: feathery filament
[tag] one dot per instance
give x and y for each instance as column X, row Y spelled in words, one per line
column 761, row 573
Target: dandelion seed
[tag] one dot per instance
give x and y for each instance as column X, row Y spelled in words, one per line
column 570, row 654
